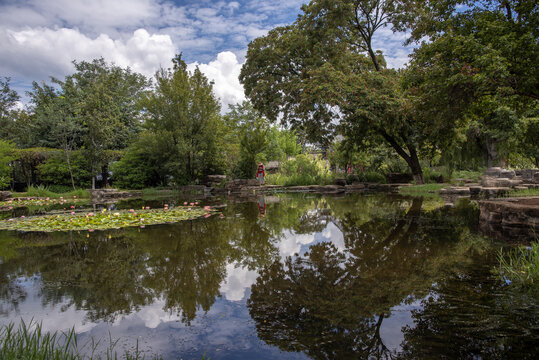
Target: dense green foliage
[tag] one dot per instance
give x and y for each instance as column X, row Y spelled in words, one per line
column 467, row 100
column 7, row 150
column 302, row 170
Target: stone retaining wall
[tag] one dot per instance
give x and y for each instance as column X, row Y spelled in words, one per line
column 512, row 219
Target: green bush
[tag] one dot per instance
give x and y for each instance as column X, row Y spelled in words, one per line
column 7, row 149
column 371, row 176
column 303, row 170
column 54, row 171
column 144, row 164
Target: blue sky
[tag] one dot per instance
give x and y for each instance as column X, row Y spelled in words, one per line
column 40, row 38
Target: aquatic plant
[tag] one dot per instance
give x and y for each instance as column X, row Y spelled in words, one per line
column 30, row 342
column 45, row 201
column 520, row 265
column 105, row 219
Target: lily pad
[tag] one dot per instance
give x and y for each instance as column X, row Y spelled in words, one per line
column 20, row 202
column 103, row 220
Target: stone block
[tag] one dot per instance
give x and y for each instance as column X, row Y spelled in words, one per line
column 490, row 181
column 507, row 174
column 339, row 182
column 493, row 171
column 5, row 195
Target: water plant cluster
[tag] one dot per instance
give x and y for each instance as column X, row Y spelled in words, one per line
column 106, row 219
column 31, row 201
column 520, row 265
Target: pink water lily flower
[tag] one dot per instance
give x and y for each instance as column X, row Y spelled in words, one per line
column 9, row 219
column 90, row 214
column 207, row 208
column 185, row 203
column 72, row 213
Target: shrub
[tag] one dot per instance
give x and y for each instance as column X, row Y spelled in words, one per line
column 303, row 170
column 54, row 171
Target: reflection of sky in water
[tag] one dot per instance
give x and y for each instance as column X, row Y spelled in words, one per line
column 225, row 331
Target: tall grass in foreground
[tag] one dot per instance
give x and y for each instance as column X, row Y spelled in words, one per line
column 520, row 265
column 30, row 342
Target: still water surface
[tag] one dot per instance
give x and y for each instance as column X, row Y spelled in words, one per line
column 287, row 276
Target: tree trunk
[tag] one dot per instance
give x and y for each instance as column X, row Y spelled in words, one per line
column 411, row 159
column 492, row 154
column 415, row 166
column 69, row 168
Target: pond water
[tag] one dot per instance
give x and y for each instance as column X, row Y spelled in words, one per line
column 289, row 276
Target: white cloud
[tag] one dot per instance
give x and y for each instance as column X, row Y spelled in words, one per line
column 224, row 71
column 238, row 279
column 37, row 53
column 291, row 243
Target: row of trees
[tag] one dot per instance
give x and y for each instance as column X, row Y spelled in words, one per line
column 472, row 80
column 469, row 97
column 103, row 117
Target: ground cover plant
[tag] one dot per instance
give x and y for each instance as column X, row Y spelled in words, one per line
column 30, row 201
column 30, row 342
column 520, row 265
column 106, row 219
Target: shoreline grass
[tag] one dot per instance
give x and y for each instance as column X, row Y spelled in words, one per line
column 426, row 190
column 523, row 193
column 520, row 265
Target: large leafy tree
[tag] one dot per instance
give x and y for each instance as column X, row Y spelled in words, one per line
column 184, row 114
column 251, row 129
column 323, row 74
column 93, row 109
column 8, row 101
column 479, row 64
column 105, row 96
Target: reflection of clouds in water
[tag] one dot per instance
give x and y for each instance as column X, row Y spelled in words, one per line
column 334, row 234
column 238, row 278
column 59, row 317
column 291, row 243
column 391, row 329
column 151, row 315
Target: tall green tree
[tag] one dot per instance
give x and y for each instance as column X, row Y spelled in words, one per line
column 323, row 74
column 184, row 114
column 105, row 96
column 478, row 65
column 8, row 102
column 251, row 129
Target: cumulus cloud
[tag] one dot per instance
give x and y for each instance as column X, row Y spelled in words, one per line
column 238, row 279
column 224, row 72
column 40, row 52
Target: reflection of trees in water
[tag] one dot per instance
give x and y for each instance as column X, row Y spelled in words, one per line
column 479, row 317
column 331, row 303
column 183, row 263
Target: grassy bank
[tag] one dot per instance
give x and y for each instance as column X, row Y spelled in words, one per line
column 422, row 190
column 520, row 193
